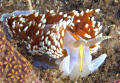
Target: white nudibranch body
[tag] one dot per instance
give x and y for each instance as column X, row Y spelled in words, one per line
column 70, row 65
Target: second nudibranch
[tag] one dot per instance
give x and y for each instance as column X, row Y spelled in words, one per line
column 78, row 52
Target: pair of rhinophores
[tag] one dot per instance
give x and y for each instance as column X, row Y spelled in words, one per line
column 73, row 36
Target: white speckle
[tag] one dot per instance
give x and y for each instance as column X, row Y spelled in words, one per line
column 55, row 53
column 13, row 24
column 45, row 47
column 58, row 36
column 100, row 27
column 53, row 26
column 64, row 24
column 48, row 33
column 19, row 30
column 39, row 25
column 51, row 11
column 65, row 15
column 97, row 10
column 69, row 17
column 52, row 47
column 52, row 51
column 72, row 24
column 46, row 40
column 91, row 10
column 44, row 21
column 47, row 10
column 98, row 24
column 87, row 10
column 77, row 14
column 92, row 18
column 96, row 32
column 57, row 28
column 78, row 21
column 22, row 19
column 30, row 23
column 42, row 37
column 49, row 43
column 31, row 40
column 29, row 46
column 61, row 55
column 43, row 16
column 20, row 15
column 58, row 44
column 61, row 41
column 37, row 33
column 62, row 32
column 94, row 22
column 18, row 23
column 60, row 13
column 95, row 29
column 28, row 37
column 42, row 27
column 36, row 14
column 51, row 34
column 13, row 31
column 21, row 25
column 68, row 22
column 86, row 25
column 61, row 50
column 25, row 28
column 43, row 44
column 82, row 13
column 88, row 36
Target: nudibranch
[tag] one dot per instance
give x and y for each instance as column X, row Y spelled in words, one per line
column 59, row 35
column 14, row 68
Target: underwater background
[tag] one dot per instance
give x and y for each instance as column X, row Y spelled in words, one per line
column 109, row 17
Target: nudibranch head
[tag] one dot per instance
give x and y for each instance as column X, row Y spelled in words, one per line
column 79, row 60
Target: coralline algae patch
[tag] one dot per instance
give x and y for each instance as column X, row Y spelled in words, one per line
column 14, row 68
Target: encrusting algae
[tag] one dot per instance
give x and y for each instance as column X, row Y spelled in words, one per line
column 14, row 68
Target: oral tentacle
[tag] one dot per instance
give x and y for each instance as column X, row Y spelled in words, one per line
column 97, row 62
